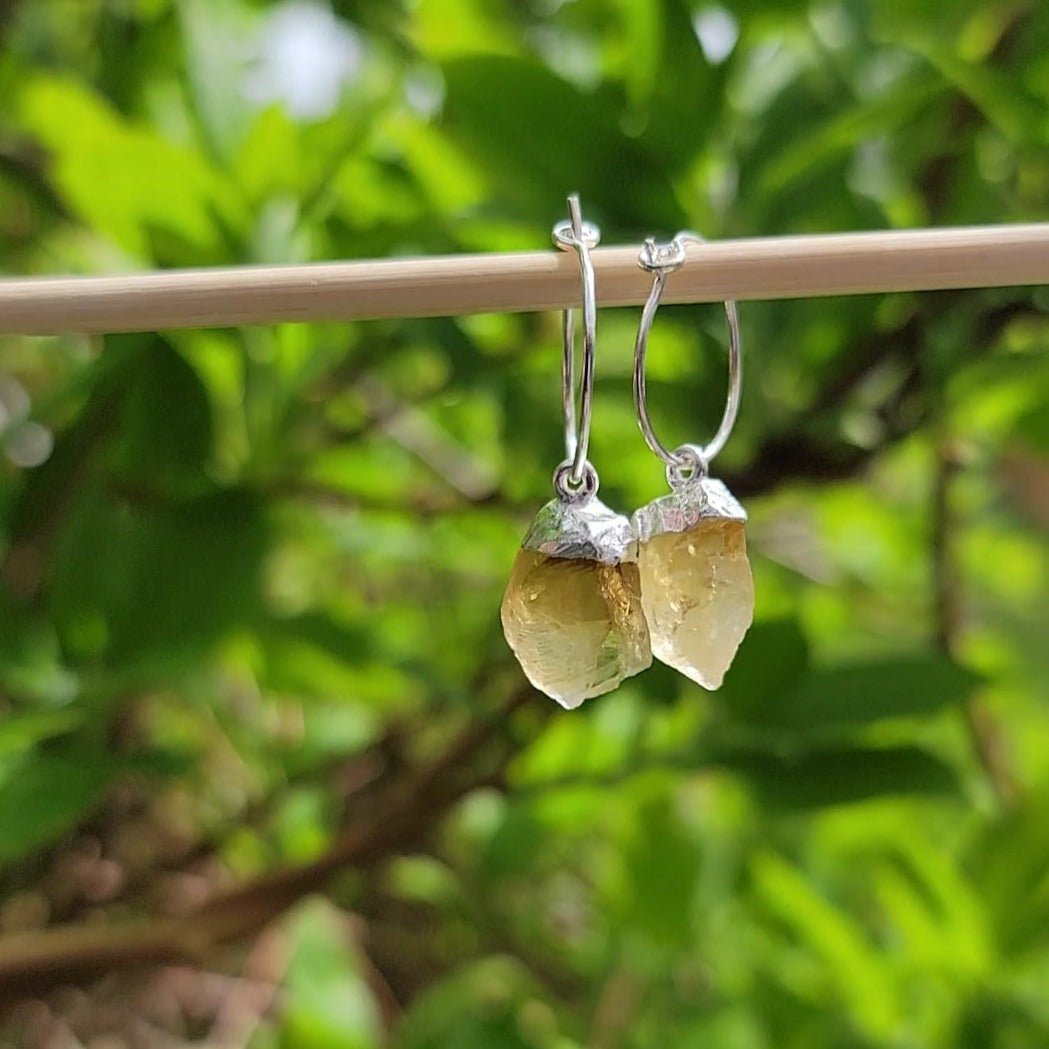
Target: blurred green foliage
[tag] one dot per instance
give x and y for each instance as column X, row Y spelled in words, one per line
column 256, row 560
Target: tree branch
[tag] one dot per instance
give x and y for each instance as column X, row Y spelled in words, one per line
column 797, row 455
column 36, row 963
column 983, row 730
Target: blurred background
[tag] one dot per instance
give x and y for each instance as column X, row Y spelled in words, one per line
column 269, row 775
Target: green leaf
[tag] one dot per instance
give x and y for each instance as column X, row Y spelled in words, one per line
column 100, row 166
column 999, row 1019
column 314, row 655
column 491, row 99
column 662, row 865
column 165, row 434
column 839, row 776
column 595, row 742
column 823, row 143
column 480, row 1006
column 771, row 660
column 851, row 963
column 31, row 666
column 1032, row 431
column 268, row 160
column 327, row 1002
column 1001, row 96
column 347, row 642
column 216, row 65
column 687, row 101
column 512, row 849
column 441, row 28
column 1007, row 861
column 23, row 731
column 161, row 580
column 46, row 794
column 850, row 697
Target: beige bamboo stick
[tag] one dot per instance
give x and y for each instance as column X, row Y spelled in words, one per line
column 756, row 268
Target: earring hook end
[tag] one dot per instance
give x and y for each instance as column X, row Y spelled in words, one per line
column 575, row 215
column 662, row 258
column 575, row 233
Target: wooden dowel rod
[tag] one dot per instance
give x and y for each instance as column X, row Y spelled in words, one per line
column 755, row 268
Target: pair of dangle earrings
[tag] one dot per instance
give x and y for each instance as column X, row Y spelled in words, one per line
column 593, row 595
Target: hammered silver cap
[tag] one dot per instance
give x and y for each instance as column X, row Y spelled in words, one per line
column 694, row 500
column 588, row 530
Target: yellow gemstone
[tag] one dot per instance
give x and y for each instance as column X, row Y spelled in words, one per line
column 698, row 597
column 575, row 625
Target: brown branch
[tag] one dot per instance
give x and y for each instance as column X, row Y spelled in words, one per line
column 798, row 455
column 984, row 731
column 615, row 1011
column 946, row 587
column 37, row 962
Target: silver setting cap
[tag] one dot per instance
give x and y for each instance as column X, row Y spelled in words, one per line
column 587, row 530
column 698, row 499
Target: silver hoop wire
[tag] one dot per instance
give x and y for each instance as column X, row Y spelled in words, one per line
column 688, row 459
column 579, row 236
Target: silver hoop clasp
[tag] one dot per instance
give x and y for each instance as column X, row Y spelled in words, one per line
column 688, row 460
column 579, row 236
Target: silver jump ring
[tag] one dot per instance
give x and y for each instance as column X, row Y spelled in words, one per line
column 682, row 463
column 579, row 236
column 570, row 491
column 691, row 463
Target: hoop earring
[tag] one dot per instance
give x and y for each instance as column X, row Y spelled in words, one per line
column 572, row 608
column 697, row 591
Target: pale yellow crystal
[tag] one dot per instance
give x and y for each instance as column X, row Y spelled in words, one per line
column 698, row 597
column 575, row 625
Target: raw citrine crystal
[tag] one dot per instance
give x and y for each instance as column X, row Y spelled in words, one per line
column 575, row 626
column 697, row 591
column 698, row 597
column 572, row 609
